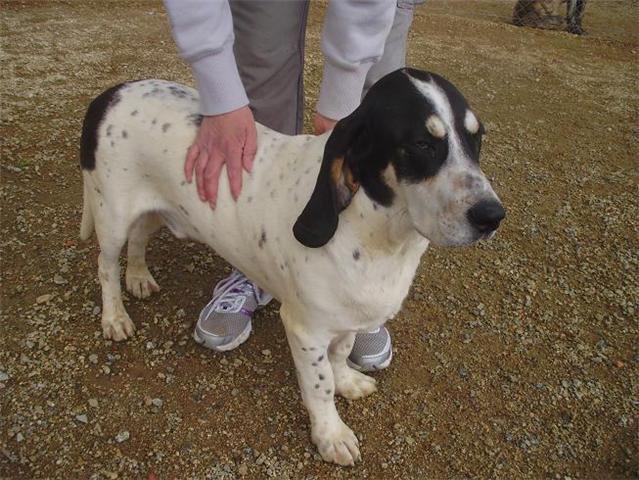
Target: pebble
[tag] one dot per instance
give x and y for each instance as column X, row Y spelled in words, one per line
column 93, row 402
column 19, row 437
column 266, row 352
column 44, row 298
column 93, row 358
column 59, row 279
column 122, row 436
column 82, row 418
column 242, row 469
column 3, row 377
column 157, row 402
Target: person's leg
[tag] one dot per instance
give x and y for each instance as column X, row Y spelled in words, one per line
column 269, row 50
column 373, row 350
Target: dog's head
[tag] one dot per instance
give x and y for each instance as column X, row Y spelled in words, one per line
column 415, row 140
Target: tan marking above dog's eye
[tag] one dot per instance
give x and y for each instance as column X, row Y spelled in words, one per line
column 471, row 123
column 435, row 126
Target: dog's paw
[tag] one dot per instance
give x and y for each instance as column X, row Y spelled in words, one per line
column 352, row 384
column 337, row 445
column 117, row 326
column 139, row 281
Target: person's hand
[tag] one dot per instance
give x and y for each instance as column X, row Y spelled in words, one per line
column 322, row 124
column 228, row 139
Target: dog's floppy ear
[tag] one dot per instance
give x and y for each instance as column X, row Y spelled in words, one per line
column 335, row 187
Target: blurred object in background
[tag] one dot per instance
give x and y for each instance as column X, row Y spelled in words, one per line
column 546, row 14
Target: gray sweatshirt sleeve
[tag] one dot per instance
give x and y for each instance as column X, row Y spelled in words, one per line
column 203, row 32
column 353, row 39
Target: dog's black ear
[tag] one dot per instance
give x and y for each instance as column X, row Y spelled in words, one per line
column 336, row 184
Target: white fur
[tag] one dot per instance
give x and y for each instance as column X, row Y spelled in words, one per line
column 354, row 283
column 470, row 122
column 435, row 126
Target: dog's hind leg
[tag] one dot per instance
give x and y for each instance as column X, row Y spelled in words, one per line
column 139, row 281
column 349, row 383
column 116, row 324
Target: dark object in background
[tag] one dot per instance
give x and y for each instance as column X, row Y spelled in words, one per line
column 544, row 14
column 574, row 13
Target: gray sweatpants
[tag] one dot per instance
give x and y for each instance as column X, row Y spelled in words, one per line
column 269, row 51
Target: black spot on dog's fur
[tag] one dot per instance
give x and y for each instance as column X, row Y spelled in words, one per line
column 92, row 121
column 134, row 113
column 165, row 127
column 356, row 254
column 317, row 385
column 195, row 119
column 183, row 210
column 124, row 134
column 321, row 357
column 262, row 239
column 320, row 376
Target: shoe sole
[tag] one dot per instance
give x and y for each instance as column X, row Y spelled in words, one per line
column 372, row 368
column 236, row 342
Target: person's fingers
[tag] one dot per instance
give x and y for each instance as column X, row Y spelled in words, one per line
column 191, row 157
column 250, row 148
column 200, row 167
column 212, row 179
column 234, row 172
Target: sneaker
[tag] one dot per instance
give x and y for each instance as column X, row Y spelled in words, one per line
column 225, row 322
column 371, row 351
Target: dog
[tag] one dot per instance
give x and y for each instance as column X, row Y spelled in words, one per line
column 333, row 226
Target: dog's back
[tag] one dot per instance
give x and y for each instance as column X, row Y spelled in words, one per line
column 134, row 142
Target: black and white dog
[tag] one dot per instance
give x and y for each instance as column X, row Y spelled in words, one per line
column 333, row 226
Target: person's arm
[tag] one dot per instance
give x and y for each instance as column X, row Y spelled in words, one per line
column 353, row 39
column 203, row 31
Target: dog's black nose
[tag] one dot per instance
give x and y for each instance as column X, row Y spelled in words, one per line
column 486, row 215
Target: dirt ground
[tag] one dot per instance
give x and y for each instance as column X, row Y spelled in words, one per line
column 514, row 359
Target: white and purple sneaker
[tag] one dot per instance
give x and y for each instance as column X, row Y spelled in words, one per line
column 225, row 322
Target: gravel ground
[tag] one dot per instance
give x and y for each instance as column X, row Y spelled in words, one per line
column 517, row 358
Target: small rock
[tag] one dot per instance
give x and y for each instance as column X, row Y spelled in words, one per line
column 106, row 369
column 157, row 402
column 59, row 279
column 44, row 298
column 93, row 402
column 82, row 418
column 122, row 436
column 242, row 469
column 19, row 437
column 3, row 377
column 266, row 352
column 93, row 358
column 96, row 310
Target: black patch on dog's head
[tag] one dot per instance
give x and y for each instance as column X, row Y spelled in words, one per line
column 470, row 141
column 92, row 121
column 389, row 127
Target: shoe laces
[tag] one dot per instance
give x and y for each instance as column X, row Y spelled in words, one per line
column 234, row 286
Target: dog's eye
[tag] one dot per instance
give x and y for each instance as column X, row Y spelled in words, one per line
column 424, row 145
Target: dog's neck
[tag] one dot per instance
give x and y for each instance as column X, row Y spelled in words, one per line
column 381, row 230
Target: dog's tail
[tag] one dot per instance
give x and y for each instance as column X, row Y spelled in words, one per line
column 87, row 225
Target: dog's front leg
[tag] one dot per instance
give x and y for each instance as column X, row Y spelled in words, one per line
column 335, row 441
column 349, row 383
